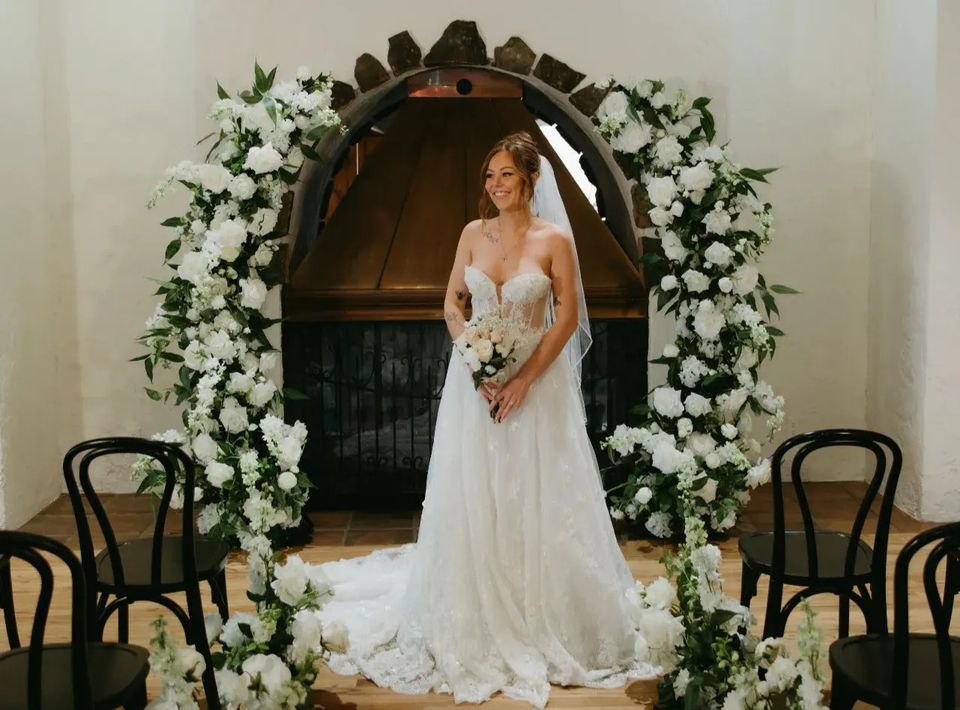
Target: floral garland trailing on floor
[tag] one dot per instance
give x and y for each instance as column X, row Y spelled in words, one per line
column 712, row 228
column 212, row 311
column 694, row 458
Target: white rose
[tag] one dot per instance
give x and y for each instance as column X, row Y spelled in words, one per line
column 214, row 178
column 759, row 474
column 745, row 279
column 263, row 221
column 192, row 356
column 666, row 401
column 713, row 460
column 671, row 351
column 661, row 191
column 253, row 293
column 643, row 495
column 233, row 416
column 729, row 431
column 719, row 254
column 484, row 349
column 335, row 637
column 696, row 281
column 289, row 452
column 697, row 178
column 701, row 444
column 240, row 383
column 290, row 580
column 697, row 405
column 713, row 153
column 717, row 222
column 658, row 100
column 708, row 493
column 271, row 670
column 666, row 458
column 725, row 284
column 262, row 393
column 194, row 266
column 676, row 209
column 263, row 160
column 295, row 157
column 229, row 238
column 218, row 473
column 708, row 321
column 660, row 216
column 263, row 256
column 684, row 427
column 204, row 448
column 232, row 635
column 242, row 187
column 660, row 593
column 668, row 282
column 668, row 151
column 190, row 663
column 631, row 138
column 221, row 346
column 644, row 89
column 287, row 480
column 471, row 359
column 614, row 106
column 672, row 247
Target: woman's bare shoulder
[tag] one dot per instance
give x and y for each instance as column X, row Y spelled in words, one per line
column 552, row 235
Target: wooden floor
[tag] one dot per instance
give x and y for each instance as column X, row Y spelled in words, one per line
column 345, row 534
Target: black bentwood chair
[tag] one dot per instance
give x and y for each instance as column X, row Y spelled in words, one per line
column 147, row 569
column 6, row 601
column 824, row 561
column 906, row 670
column 84, row 673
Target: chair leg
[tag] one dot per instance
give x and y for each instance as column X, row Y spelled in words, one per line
column 138, row 698
column 951, row 587
column 844, row 630
column 840, row 697
column 218, row 594
column 9, row 615
column 123, row 623
column 748, row 584
column 772, row 622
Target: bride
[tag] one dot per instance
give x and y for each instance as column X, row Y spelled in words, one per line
column 516, row 580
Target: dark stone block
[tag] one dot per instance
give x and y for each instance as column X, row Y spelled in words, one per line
column 588, row 99
column 514, row 56
column 341, row 94
column 557, row 74
column 460, row 44
column 404, row 54
column 369, row 72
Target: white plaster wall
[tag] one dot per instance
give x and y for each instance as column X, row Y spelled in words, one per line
column 39, row 410
column 790, row 83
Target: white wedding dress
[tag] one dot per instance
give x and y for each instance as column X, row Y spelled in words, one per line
column 516, row 580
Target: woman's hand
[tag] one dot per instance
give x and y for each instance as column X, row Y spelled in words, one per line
column 488, row 390
column 510, row 396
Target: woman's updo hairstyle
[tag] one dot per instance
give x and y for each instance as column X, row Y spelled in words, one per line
column 526, row 157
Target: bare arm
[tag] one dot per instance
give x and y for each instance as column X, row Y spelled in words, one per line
column 455, row 301
column 563, row 274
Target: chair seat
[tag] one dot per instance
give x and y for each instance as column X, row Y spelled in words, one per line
column 135, row 557
column 116, row 673
column 866, row 664
column 756, row 549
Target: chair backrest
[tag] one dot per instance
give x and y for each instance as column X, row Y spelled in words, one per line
column 28, row 547
column 947, row 547
column 888, row 461
column 175, row 463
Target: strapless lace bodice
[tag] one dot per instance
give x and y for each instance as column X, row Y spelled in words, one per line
column 524, row 296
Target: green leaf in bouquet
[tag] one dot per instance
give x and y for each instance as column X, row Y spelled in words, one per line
column 148, row 366
column 173, row 222
column 260, row 79
column 759, row 175
column 153, row 394
column 138, row 358
column 295, row 395
column 171, row 357
column 775, row 331
column 271, row 106
column 270, row 77
column 770, row 303
column 171, row 250
column 206, row 137
column 780, row 288
column 221, row 92
column 309, row 152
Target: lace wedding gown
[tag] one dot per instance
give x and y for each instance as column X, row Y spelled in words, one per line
column 516, row 580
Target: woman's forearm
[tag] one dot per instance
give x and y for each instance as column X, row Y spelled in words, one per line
column 454, row 317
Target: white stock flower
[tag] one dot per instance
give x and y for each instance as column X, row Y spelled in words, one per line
column 268, row 361
column 190, row 663
column 658, row 524
column 759, row 474
column 290, row 580
column 708, row 321
column 631, row 138
column 263, row 159
column 233, row 688
column 232, row 635
column 204, row 448
column 239, row 383
column 307, row 632
column 696, row 282
column 287, row 481
column 660, row 593
column 214, row 178
column 262, row 393
column 289, row 450
column 697, row 178
column 666, row 401
column 221, row 346
column 661, row 191
column 669, row 460
column 195, row 266
column 719, row 254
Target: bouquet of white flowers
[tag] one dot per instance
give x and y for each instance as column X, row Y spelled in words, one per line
column 486, row 345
